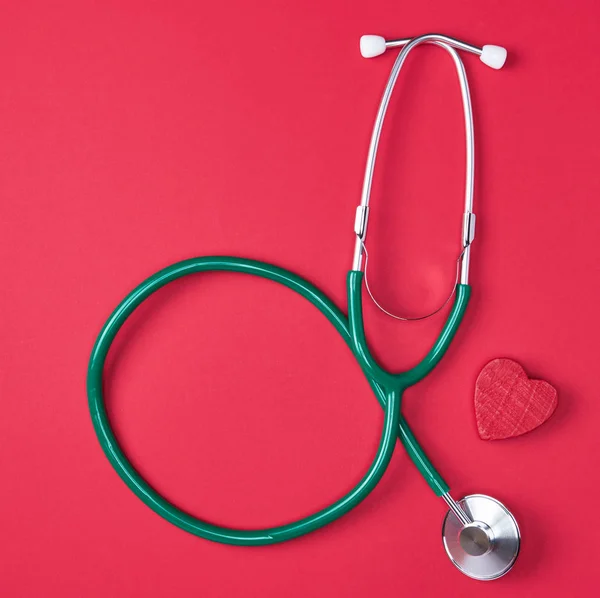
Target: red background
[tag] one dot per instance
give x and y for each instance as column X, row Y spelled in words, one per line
column 136, row 134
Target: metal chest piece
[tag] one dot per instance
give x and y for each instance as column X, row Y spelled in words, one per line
column 487, row 548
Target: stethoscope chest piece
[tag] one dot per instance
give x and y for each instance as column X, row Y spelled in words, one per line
column 487, row 548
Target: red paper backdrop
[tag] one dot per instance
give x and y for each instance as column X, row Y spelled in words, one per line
column 136, row 134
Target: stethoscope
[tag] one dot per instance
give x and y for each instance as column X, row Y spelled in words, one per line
column 479, row 533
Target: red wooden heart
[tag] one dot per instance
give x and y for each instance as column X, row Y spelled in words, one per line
column 508, row 403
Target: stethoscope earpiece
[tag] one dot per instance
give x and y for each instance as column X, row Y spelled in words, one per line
column 493, row 56
column 372, row 45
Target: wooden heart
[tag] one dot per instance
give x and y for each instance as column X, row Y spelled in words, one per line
column 508, row 403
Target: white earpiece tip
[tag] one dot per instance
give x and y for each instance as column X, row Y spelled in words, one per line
column 372, row 45
column 493, row 56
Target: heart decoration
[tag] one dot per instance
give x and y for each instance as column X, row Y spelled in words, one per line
column 508, row 403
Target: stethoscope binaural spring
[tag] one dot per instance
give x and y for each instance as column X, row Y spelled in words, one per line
column 480, row 535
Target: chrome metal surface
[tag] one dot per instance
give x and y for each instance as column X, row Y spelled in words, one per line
column 451, row 41
column 456, row 509
column 448, row 44
column 468, row 228
column 476, row 539
column 469, row 220
column 487, row 548
column 360, row 221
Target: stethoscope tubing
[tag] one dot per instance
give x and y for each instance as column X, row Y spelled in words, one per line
column 386, row 387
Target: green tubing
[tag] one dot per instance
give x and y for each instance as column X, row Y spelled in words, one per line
column 359, row 344
column 413, row 448
column 387, row 388
column 403, row 380
column 463, row 293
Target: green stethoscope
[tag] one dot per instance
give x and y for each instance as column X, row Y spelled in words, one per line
column 480, row 535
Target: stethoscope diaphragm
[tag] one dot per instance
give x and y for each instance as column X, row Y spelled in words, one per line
column 486, row 548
